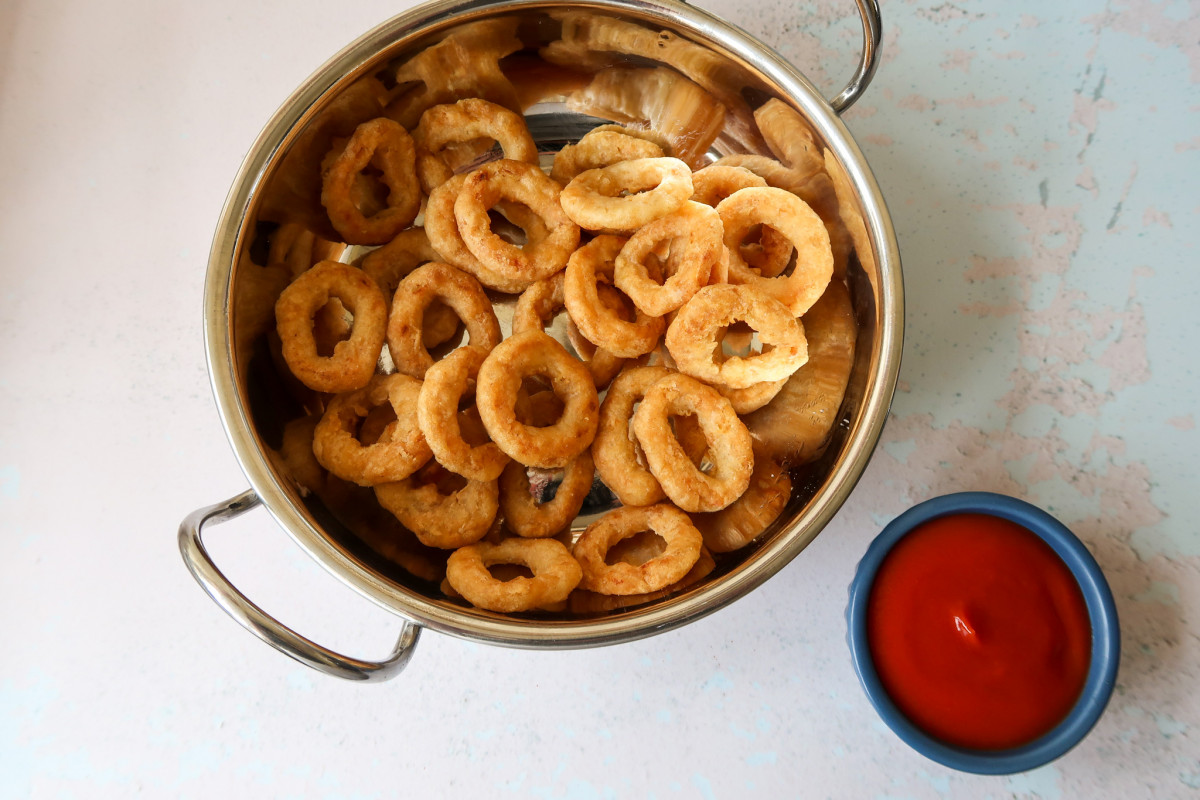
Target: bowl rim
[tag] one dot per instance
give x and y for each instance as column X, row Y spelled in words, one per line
column 352, row 60
column 1102, row 613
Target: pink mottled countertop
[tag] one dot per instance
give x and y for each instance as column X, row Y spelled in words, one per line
column 1040, row 163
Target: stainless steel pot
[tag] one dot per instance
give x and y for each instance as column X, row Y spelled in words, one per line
column 876, row 288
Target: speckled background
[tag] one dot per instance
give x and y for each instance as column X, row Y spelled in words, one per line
column 1039, row 160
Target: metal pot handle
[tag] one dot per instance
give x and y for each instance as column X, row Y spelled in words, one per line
column 872, row 35
column 267, row 628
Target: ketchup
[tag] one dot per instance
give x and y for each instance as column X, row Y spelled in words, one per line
column 978, row 632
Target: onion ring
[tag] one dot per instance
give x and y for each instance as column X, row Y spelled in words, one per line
column 384, row 144
column 600, row 148
column 599, row 323
column 388, row 265
column 299, row 249
column 401, row 454
column 442, row 228
column 437, row 415
column 771, row 255
column 795, row 220
column 527, row 185
column 623, row 197
column 693, row 339
column 538, row 304
column 682, row 551
column 694, row 232
column 445, row 521
column 584, row 602
column 614, row 449
column 728, row 444
column 353, row 361
column 743, row 520
column 416, row 293
column 555, row 574
column 753, row 397
column 468, row 119
column 497, row 387
column 533, row 520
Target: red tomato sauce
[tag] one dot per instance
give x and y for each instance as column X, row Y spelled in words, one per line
column 978, row 632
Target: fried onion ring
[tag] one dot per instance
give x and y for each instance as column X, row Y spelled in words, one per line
column 538, row 304
column 388, row 265
column 416, row 293
column 696, row 248
column 584, row 602
column 795, row 220
column 693, row 339
column 384, row 144
column 445, row 521
column 353, row 361
column 622, row 197
column 521, row 356
column 397, row 453
column 600, row 148
column 531, row 519
column 442, row 228
column 614, row 449
column 682, row 551
column 527, row 185
column 597, row 321
column 468, row 119
column 437, row 414
column 555, row 574
column 728, row 444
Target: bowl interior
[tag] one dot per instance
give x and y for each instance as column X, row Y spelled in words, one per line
column 1105, row 650
column 279, row 184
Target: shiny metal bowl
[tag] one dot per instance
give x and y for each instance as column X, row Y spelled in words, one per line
column 751, row 70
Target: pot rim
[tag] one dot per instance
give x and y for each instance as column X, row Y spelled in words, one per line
column 352, row 60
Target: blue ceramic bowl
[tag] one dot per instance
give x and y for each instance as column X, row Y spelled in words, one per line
column 1106, row 635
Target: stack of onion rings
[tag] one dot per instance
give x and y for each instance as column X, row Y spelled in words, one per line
column 473, row 478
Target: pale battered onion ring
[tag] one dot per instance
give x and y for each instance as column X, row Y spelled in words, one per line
column 445, row 521
column 555, row 574
column 614, row 449
column 521, row 356
column 534, row 520
column 742, row 521
column 794, row 219
column 538, row 304
column 463, row 121
column 623, row 197
column 753, row 397
column 415, row 294
column 397, row 454
column 599, row 323
column 353, row 361
column 386, row 145
column 728, row 444
column 388, row 265
column 696, row 248
column 582, row 601
column 772, row 253
column 442, row 229
column 437, row 414
column 714, row 183
column 693, row 339
column 600, row 148
column 527, row 185
column 681, row 553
